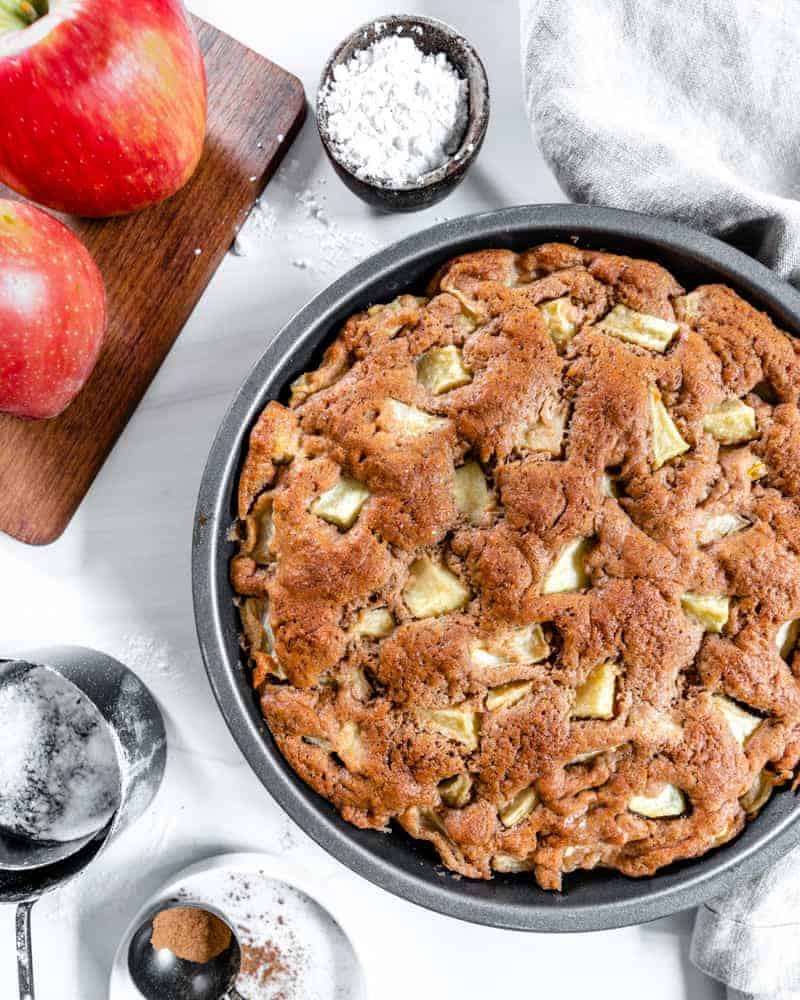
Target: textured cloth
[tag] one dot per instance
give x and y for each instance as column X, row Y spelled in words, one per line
column 751, row 938
column 688, row 109
column 683, row 108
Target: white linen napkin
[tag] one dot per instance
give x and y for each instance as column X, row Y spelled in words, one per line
column 751, row 938
column 688, row 109
column 683, row 108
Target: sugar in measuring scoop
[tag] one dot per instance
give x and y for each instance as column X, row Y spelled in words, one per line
column 59, row 776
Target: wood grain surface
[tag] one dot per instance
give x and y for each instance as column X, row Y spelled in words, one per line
column 154, row 277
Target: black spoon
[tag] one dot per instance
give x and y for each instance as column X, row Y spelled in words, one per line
column 161, row 975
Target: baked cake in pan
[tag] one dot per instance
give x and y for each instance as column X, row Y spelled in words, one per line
column 519, row 565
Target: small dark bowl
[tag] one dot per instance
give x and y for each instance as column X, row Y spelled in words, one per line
column 432, row 36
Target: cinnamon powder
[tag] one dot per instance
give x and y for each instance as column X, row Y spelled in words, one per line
column 190, row 933
column 263, row 963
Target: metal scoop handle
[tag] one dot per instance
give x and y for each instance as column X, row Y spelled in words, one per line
column 24, row 951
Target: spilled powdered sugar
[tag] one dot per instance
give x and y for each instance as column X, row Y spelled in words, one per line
column 338, row 248
column 297, row 216
column 59, row 777
column 260, row 225
column 155, row 662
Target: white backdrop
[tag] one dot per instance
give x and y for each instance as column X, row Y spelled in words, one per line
column 119, row 577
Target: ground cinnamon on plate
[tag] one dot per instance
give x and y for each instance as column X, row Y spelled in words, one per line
column 190, row 933
column 263, row 962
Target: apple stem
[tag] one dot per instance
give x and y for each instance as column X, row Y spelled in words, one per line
column 18, row 14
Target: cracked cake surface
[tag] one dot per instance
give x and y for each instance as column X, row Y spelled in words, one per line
column 518, row 565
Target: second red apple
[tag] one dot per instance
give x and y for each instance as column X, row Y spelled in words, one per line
column 52, row 312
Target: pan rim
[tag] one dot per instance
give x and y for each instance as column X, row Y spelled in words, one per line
column 639, row 900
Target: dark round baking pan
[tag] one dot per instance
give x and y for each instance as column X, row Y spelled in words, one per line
column 408, row 868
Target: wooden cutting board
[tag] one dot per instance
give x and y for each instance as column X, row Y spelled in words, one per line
column 154, row 276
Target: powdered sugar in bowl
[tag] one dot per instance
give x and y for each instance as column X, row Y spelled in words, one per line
column 402, row 111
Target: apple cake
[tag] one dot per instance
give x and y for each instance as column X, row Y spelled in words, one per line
column 518, row 565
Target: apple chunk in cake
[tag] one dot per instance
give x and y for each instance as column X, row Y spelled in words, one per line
column 517, row 565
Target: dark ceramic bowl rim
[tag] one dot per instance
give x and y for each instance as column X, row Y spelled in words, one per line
column 591, row 901
column 477, row 124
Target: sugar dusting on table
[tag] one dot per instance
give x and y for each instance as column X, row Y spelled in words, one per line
column 154, row 661
column 59, row 777
column 260, row 225
column 316, row 242
column 393, row 113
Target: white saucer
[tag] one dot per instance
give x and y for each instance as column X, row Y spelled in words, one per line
column 268, row 899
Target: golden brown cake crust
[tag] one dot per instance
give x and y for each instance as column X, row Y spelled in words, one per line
column 518, row 718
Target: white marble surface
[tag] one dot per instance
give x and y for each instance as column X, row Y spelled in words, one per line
column 119, row 577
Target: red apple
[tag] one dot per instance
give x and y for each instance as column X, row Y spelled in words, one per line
column 102, row 102
column 52, row 312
